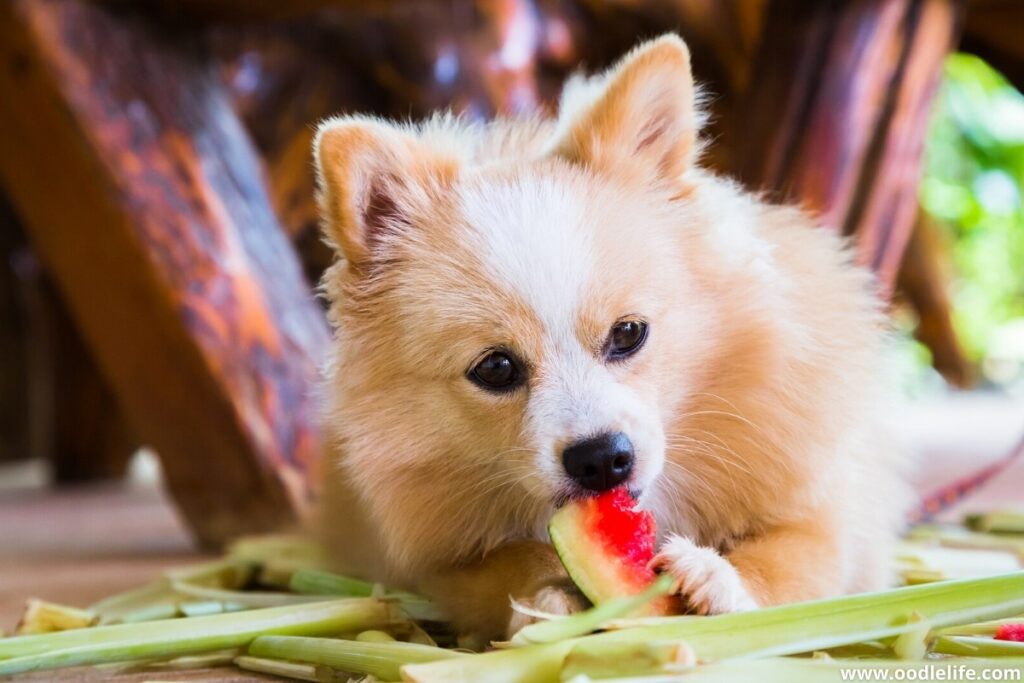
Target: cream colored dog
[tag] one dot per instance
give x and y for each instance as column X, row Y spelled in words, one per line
column 531, row 311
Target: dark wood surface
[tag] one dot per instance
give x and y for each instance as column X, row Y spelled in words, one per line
column 14, row 376
column 77, row 424
column 842, row 92
column 144, row 196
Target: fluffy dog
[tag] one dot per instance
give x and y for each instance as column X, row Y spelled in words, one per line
column 535, row 310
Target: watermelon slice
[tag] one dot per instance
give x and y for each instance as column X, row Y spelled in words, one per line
column 1013, row 632
column 606, row 545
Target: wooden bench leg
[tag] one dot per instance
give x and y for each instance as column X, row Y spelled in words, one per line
column 145, row 199
column 839, row 112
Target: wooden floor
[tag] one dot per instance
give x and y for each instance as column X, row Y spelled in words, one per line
column 75, row 546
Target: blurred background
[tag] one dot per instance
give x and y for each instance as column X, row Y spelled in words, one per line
column 159, row 333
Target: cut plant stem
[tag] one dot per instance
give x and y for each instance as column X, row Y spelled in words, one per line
column 609, row 660
column 956, row 537
column 973, row 646
column 175, row 637
column 319, row 582
column 294, row 670
column 201, row 661
column 788, row 629
column 158, row 599
column 997, row 521
column 913, row 644
column 375, row 637
column 381, row 660
column 278, row 549
column 323, row 583
column 247, row 599
column 984, row 628
column 46, row 617
column 206, row 607
column 592, row 619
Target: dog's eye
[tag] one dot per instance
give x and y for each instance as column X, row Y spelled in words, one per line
column 497, row 371
column 626, row 338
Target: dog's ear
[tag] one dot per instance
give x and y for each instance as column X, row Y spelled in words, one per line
column 370, row 176
column 641, row 110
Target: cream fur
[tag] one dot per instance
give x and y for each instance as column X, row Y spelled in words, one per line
column 755, row 406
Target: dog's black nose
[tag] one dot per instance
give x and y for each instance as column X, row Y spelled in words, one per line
column 601, row 462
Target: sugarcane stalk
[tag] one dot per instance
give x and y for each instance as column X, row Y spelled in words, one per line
column 592, row 619
column 788, row 629
column 984, row 628
column 175, row 637
column 323, row 583
column 294, row 670
column 382, row 660
column 41, row 616
column 973, row 646
column 997, row 521
column 319, row 582
column 610, row 660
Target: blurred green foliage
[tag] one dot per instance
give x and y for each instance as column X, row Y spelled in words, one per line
column 973, row 185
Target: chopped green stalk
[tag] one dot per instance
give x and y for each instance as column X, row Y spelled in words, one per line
column 634, row 622
column 592, row 619
column 914, row 577
column 278, row 549
column 158, row 600
column 973, row 646
column 174, row 637
column 381, row 660
column 610, row 660
column 921, row 563
column 293, row 670
column 247, row 599
column 788, row 629
column 323, row 583
column 997, row 521
column 46, row 617
column 155, row 598
column 418, row 608
column 203, row 661
column 913, row 644
column 318, row 582
column 226, row 573
column 985, row 628
column 871, row 648
column 954, row 537
column 203, row 608
column 375, row 637
column 155, row 612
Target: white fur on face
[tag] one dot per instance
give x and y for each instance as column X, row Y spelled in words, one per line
column 536, row 239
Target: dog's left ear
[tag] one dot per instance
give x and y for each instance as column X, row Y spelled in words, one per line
column 641, row 110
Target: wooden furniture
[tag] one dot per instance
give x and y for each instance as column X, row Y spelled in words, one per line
column 156, row 155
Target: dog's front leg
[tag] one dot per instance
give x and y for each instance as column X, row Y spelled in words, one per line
column 801, row 561
column 477, row 596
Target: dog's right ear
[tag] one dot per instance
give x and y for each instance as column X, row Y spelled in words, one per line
column 370, row 175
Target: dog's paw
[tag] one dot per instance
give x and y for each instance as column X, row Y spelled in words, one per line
column 557, row 599
column 704, row 579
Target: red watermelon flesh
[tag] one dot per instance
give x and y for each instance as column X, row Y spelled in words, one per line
column 1014, row 632
column 606, row 545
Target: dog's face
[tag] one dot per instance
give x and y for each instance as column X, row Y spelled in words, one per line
column 517, row 333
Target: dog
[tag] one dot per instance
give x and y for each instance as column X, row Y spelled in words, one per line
column 532, row 311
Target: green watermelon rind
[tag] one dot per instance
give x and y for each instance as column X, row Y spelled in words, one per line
column 599, row 576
